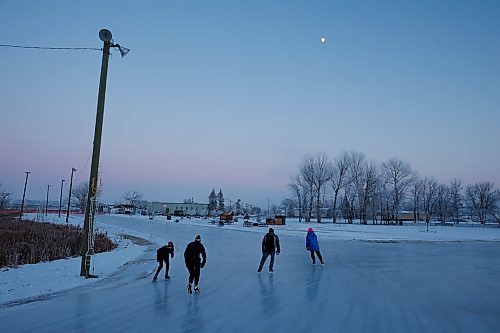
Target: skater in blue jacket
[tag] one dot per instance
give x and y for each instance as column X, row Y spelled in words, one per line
column 312, row 245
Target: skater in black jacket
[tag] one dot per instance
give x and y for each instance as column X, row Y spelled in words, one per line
column 194, row 263
column 162, row 255
column 270, row 246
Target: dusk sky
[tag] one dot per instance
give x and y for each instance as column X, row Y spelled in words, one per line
column 232, row 95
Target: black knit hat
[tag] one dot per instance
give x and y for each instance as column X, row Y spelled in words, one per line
column 198, row 238
column 271, row 230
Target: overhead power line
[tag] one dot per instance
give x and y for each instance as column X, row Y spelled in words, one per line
column 50, row 48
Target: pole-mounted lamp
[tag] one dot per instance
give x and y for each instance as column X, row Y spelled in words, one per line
column 88, row 226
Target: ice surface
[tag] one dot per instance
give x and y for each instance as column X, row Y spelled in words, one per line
column 376, row 279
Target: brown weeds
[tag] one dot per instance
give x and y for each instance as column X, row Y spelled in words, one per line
column 28, row 242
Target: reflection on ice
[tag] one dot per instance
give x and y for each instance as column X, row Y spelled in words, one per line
column 314, row 283
column 269, row 299
column 193, row 321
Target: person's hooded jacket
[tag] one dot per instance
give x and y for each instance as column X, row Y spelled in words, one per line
column 271, row 242
column 165, row 251
column 193, row 252
column 312, row 241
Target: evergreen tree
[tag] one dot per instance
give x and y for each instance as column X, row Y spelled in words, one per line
column 212, row 202
column 220, row 198
column 238, row 207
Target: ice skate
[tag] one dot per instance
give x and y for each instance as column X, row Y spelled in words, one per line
column 196, row 289
column 190, row 289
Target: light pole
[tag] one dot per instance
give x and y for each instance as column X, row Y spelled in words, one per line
column 24, row 194
column 60, row 198
column 88, row 226
column 69, row 197
column 47, row 202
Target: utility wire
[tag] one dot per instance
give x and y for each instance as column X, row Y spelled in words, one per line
column 50, row 48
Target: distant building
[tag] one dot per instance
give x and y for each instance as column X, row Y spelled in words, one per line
column 324, row 211
column 410, row 216
column 123, row 209
column 179, row 209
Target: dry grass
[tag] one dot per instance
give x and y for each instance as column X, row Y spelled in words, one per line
column 28, row 242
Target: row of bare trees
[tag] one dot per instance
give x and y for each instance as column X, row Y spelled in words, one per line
column 354, row 188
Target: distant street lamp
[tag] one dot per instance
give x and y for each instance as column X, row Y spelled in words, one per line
column 60, row 198
column 24, row 194
column 69, row 197
column 88, row 226
column 47, row 202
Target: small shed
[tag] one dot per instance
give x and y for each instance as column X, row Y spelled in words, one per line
column 279, row 220
column 226, row 217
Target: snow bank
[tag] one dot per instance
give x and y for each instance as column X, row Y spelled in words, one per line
column 33, row 282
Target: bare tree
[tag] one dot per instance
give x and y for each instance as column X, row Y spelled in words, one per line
column 398, row 178
column 323, row 170
column 289, row 205
column 348, row 211
column 416, row 196
column 141, row 204
column 481, row 199
column 79, row 196
column 296, row 189
column 132, row 197
column 456, row 198
column 4, row 198
column 367, row 196
column 496, row 212
column 430, row 190
column 307, row 176
column 443, row 203
column 384, row 199
column 338, row 179
column 356, row 182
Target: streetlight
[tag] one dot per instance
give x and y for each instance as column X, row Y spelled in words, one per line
column 47, row 202
column 60, row 198
column 69, row 197
column 88, row 226
column 24, row 193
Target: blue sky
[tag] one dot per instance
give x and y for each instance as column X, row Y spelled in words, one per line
column 233, row 94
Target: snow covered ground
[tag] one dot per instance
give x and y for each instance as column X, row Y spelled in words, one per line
column 378, row 278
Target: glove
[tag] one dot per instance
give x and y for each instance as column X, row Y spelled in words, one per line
column 307, row 248
column 277, row 253
column 202, row 265
column 172, row 255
